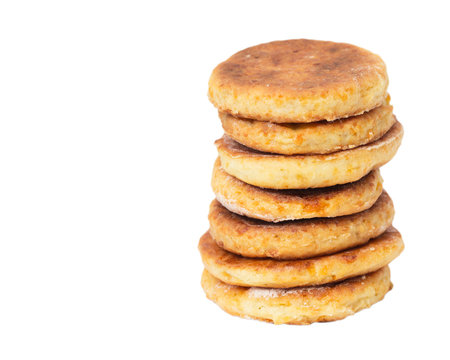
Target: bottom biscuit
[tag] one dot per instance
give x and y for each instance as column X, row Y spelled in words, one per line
column 301, row 305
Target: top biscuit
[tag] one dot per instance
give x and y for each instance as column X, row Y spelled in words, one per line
column 299, row 81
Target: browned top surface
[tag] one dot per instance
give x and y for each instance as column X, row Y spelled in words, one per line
column 299, row 66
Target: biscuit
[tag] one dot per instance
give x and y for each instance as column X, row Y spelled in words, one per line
column 301, row 238
column 299, row 81
column 314, row 138
column 237, row 270
column 282, row 205
column 299, row 306
column 306, row 171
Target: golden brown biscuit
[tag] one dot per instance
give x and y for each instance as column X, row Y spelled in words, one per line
column 314, row 138
column 237, row 270
column 300, row 306
column 306, row 171
column 298, row 239
column 299, row 81
column 282, row 205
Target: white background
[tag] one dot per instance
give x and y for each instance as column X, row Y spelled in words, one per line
column 106, row 151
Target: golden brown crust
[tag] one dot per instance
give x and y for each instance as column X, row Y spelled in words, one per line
column 299, row 81
column 314, row 138
column 299, row 306
column 305, row 171
column 298, row 239
column 237, row 270
column 282, row 205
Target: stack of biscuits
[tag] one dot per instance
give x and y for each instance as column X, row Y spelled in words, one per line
column 301, row 228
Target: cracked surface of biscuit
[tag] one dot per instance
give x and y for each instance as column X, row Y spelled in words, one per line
column 301, row 238
column 237, row 270
column 299, row 81
column 281, row 205
column 306, row 171
column 299, row 306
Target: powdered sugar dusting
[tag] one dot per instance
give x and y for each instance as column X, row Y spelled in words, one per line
column 266, row 293
column 233, row 207
column 269, row 293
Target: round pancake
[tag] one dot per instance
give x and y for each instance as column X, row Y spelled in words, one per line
column 298, row 239
column 313, row 138
column 299, row 81
column 237, row 270
column 282, row 205
column 305, row 171
column 299, row 306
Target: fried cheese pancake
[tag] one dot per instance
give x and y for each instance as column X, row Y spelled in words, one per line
column 301, row 305
column 313, row 138
column 282, row 205
column 299, row 81
column 306, row 171
column 301, row 238
column 237, row 270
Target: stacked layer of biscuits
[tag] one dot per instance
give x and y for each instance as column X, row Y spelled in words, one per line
column 301, row 228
